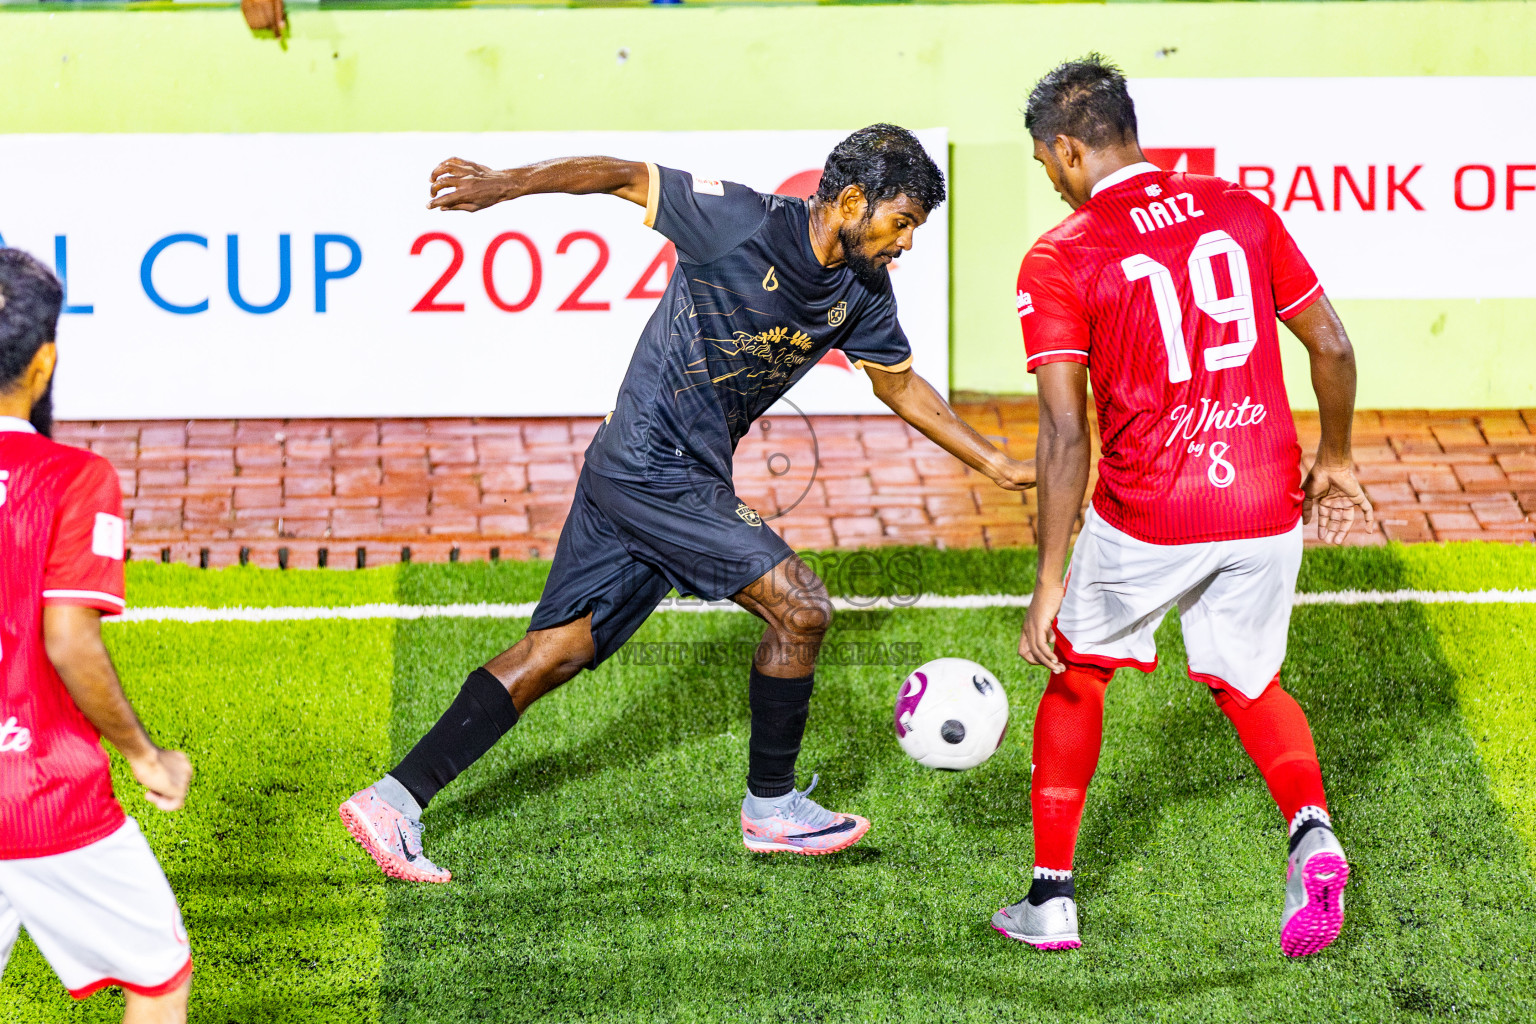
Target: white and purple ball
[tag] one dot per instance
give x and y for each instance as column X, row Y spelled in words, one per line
column 951, row 713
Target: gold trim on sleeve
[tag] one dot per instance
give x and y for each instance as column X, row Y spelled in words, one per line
column 652, row 194
column 865, row 364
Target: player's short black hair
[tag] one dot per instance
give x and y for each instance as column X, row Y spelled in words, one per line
column 884, row 161
column 1084, row 99
column 30, row 299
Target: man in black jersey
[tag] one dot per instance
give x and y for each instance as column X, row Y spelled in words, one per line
column 764, row 286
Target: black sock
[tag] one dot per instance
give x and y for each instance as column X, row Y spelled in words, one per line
column 1042, row 889
column 1304, row 828
column 479, row 716
column 779, row 709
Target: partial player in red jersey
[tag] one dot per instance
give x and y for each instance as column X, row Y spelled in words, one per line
column 1163, row 289
column 75, row 871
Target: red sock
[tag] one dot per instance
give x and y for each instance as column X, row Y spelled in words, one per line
column 1069, row 729
column 1274, row 731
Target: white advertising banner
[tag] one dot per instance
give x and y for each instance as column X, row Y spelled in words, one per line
column 303, row 276
column 1395, row 188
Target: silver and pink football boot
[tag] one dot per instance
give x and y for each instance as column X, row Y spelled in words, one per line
column 798, row 824
column 1314, row 893
column 389, row 837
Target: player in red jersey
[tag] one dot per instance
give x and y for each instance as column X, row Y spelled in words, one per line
column 1162, row 289
column 74, row 870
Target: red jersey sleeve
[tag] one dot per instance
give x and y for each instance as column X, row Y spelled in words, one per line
column 85, row 560
column 1050, row 312
column 1295, row 283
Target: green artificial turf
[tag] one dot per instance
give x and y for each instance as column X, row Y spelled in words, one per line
column 598, row 869
column 278, row 720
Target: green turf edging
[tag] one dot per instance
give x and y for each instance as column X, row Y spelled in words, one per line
column 157, row 585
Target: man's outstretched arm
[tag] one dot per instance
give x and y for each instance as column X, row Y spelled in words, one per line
column 1062, row 455
column 914, row 400
column 465, row 185
column 1330, row 490
column 72, row 638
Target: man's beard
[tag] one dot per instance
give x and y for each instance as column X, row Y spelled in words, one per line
column 42, row 413
column 863, row 267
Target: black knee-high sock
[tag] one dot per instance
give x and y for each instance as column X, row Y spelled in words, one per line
column 479, row 716
column 779, row 709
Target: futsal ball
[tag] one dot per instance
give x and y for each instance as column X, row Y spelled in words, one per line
column 951, row 713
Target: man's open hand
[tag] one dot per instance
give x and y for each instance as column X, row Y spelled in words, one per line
column 265, row 14
column 1332, row 495
column 165, row 776
column 465, row 185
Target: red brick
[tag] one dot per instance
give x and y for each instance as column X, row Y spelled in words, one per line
column 1453, row 521
column 1009, row 536
column 399, row 505
column 1481, row 478
column 301, row 486
column 950, row 505
column 902, row 515
column 1492, row 513
column 357, row 480
column 117, row 451
column 355, row 522
column 809, row 536
column 546, row 433
column 460, row 453
column 258, row 455
column 455, row 492
column 304, row 527
column 1369, row 472
column 504, row 478
column 503, row 524
column 1459, row 437
column 1431, row 482
column 251, row 497
column 551, row 472
column 1505, row 534
column 452, row 522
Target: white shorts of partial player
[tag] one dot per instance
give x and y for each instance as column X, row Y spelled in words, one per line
column 1234, row 599
column 100, row 915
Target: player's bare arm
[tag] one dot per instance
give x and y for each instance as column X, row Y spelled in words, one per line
column 72, row 636
column 1062, row 454
column 913, row 399
column 1330, row 492
column 465, row 185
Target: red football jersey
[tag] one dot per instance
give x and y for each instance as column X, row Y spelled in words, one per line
column 61, row 528
column 1167, row 287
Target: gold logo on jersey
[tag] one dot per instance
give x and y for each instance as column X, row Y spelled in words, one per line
column 748, row 515
column 770, row 282
column 837, row 314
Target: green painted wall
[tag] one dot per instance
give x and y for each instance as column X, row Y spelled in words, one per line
column 966, row 67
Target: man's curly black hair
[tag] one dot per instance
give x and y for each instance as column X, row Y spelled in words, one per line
column 884, row 161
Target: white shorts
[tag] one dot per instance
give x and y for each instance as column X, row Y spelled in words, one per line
column 1234, row 599
column 101, row 915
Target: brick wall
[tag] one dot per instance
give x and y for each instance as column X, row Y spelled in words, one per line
column 214, row 491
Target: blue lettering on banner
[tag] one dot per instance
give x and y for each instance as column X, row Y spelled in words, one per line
column 147, row 270
column 324, row 275
column 61, row 268
column 284, row 269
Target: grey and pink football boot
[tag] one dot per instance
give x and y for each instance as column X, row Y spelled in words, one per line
column 391, row 838
column 797, row 824
column 1316, row 875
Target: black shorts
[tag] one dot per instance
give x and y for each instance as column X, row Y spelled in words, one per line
column 625, row 546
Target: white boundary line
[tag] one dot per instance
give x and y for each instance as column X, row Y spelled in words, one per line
column 406, row 612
